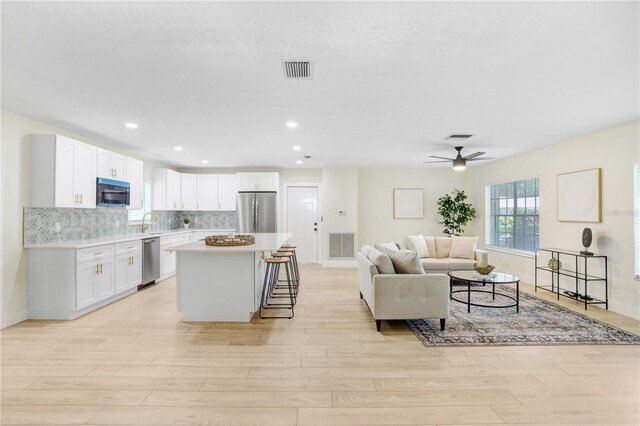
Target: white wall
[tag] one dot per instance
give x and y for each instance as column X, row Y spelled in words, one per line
column 375, row 201
column 614, row 150
column 15, row 169
column 339, row 193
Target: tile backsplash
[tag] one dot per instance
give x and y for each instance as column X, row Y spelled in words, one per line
column 78, row 224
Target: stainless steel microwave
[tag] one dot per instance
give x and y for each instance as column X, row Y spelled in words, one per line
column 112, row 193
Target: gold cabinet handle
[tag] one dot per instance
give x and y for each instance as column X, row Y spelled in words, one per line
column 76, row 199
column 97, row 269
column 80, row 198
column 101, row 268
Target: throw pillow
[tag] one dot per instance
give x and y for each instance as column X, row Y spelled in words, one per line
column 416, row 243
column 407, row 262
column 463, row 247
column 431, row 246
column 443, row 247
column 387, row 248
column 382, row 262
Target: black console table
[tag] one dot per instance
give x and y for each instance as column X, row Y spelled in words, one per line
column 576, row 258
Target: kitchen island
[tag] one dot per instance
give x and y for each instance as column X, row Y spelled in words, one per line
column 222, row 284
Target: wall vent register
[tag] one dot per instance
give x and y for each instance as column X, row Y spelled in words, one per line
column 342, row 245
column 298, row 70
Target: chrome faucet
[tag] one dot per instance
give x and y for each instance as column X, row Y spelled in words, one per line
column 143, row 226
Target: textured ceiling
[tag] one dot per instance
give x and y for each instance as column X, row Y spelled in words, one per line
column 391, row 79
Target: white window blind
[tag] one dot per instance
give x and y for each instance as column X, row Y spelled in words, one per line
column 136, row 215
column 636, row 215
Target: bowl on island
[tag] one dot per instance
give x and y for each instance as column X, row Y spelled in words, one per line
column 483, row 268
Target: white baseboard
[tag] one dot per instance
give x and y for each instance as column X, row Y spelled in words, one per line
column 13, row 318
column 339, row 264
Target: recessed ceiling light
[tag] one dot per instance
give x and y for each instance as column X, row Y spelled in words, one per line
column 297, row 148
column 298, row 161
column 205, row 161
column 131, row 125
column 292, row 124
column 177, row 148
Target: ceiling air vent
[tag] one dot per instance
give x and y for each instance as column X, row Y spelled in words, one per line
column 298, row 70
column 458, row 136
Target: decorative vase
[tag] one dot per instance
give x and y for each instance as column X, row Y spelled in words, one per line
column 483, row 268
column 186, row 226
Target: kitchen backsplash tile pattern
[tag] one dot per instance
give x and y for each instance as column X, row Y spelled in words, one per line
column 78, row 224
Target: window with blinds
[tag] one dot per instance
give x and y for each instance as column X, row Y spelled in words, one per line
column 513, row 210
column 636, row 215
column 136, row 215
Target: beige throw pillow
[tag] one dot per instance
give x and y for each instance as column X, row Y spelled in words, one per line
column 443, row 247
column 463, row 247
column 387, row 248
column 416, row 243
column 407, row 262
column 431, row 246
column 382, row 262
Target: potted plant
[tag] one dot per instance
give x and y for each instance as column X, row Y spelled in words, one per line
column 455, row 212
column 186, row 221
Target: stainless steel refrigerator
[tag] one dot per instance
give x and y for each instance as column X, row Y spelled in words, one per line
column 256, row 211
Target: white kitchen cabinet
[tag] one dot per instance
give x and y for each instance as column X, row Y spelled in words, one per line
column 228, row 186
column 63, row 172
column 207, row 192
column 128, row 266
column 188, row 192
column 135, row 175
column 94, row 280
column 167, row 188
column 85, row 284
column 111, row 165
column 105, row 279
column 267, row 181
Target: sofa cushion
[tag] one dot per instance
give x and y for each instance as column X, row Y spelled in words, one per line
column 387, row 248
column 431, row 246
column 407, row 262
column 460, row 264
column 443, row 247
column 463, row 247
column 432, row 264
column 417, row 244
column 382, row 261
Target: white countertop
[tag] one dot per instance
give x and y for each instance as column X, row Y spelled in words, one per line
column 115, row 239
column 264, row 242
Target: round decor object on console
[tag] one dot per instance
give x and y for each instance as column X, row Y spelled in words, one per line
column 587, row 238
column 554, row 264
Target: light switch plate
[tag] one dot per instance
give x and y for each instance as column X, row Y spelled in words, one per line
column 117, row 223
column 57, row 228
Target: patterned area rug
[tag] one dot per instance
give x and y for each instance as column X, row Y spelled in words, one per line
column 538, row 323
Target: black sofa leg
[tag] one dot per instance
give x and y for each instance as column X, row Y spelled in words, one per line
column 378, row 324
column 442, row 321
column 360, row 295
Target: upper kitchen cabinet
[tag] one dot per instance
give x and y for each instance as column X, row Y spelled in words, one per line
column 188, row 192
column 134, row 173
column 259, row 181
column 63, row 172
column 167, row 189
column 111, row 165
column 207, row 192
column 228, row 186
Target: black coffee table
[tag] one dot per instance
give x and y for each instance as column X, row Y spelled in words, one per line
column 472, row 277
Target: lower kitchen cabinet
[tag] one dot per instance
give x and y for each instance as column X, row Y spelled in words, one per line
column 128, row 266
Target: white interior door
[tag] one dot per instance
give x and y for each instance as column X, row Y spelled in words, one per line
column 302, row 221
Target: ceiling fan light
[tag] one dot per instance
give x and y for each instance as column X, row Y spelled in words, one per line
column 459, row 164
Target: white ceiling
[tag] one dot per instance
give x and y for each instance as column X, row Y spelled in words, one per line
column 391, row 79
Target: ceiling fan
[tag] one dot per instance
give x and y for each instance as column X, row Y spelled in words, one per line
column 460, row 162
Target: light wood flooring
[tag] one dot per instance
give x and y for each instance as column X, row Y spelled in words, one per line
column 135, row 363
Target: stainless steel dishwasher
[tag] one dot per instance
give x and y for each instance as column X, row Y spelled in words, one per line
column 150, row 261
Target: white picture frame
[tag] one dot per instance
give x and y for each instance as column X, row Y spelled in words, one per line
column 580, row 196
column 408, row 204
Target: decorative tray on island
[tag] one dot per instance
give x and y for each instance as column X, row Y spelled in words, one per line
column 230, row 240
